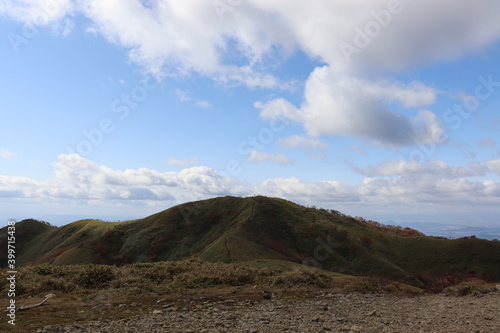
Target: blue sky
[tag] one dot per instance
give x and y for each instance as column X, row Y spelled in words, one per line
column 120, row 109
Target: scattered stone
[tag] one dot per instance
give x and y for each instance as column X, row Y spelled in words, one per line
column 267, row 295
column 350, row 313
column 485, row 290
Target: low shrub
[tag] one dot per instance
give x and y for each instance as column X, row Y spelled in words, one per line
column 95, row 276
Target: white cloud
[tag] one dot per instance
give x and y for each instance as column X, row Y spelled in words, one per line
column 493, row 165
column 343, row 105
column 320, row 27
column 427, row 128
column 433, row 167
column 424, row 191
column 180, row 37
column 239, row 46
column 348, row 97
column 33, row 12
column 278, row 108
column 182, row 163
column 298, row 190
column 184, row 96
column 78, row 178
column 203, row 104
column 300, row 141
column 168, row 36
column 256, row 156
column 7, row 154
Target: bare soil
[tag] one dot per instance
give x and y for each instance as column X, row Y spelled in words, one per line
column 246, row 310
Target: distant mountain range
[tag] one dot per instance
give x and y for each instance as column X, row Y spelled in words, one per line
column 456, row 231
column 253, row 230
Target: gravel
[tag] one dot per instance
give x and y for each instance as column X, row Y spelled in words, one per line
column 327, row 312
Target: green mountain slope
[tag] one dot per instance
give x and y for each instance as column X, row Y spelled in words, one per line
column 258, row 229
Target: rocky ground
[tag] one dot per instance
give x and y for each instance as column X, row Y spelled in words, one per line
column 321, row 311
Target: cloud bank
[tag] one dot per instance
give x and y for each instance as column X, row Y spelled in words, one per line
column 391, row 183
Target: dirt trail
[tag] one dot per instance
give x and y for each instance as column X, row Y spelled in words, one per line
column 318, row 312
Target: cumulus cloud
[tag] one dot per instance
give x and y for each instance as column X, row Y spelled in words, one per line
column 451, row 29
column 418, row 190
column 343, row 105
column 233, row 41
column 392, row 183
column 256, row 156
column 180, row 37
column 240, row 42
column 278, row 109
column 78, row 178
column 345, row 95
column 298, row 190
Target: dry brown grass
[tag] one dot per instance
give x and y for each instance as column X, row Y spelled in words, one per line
column 160, row 277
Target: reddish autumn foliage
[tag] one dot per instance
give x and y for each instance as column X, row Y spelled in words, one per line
column 54, row 254
column 342, row 234
column 367, row 241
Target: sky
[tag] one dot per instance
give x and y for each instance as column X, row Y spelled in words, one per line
column 385, row 109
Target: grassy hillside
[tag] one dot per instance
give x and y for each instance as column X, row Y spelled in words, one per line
column 259, row 230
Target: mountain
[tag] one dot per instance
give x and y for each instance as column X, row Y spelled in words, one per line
column 456, row 231
column 259, row 231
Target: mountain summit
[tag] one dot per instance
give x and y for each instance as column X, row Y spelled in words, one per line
column 259, row 231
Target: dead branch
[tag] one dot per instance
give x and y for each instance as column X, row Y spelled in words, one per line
column 31, row 306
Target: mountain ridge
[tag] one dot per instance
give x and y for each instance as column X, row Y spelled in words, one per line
column 258, row 229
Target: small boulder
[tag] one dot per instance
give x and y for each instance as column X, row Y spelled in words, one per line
column 267, row 295
column 485, row 290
